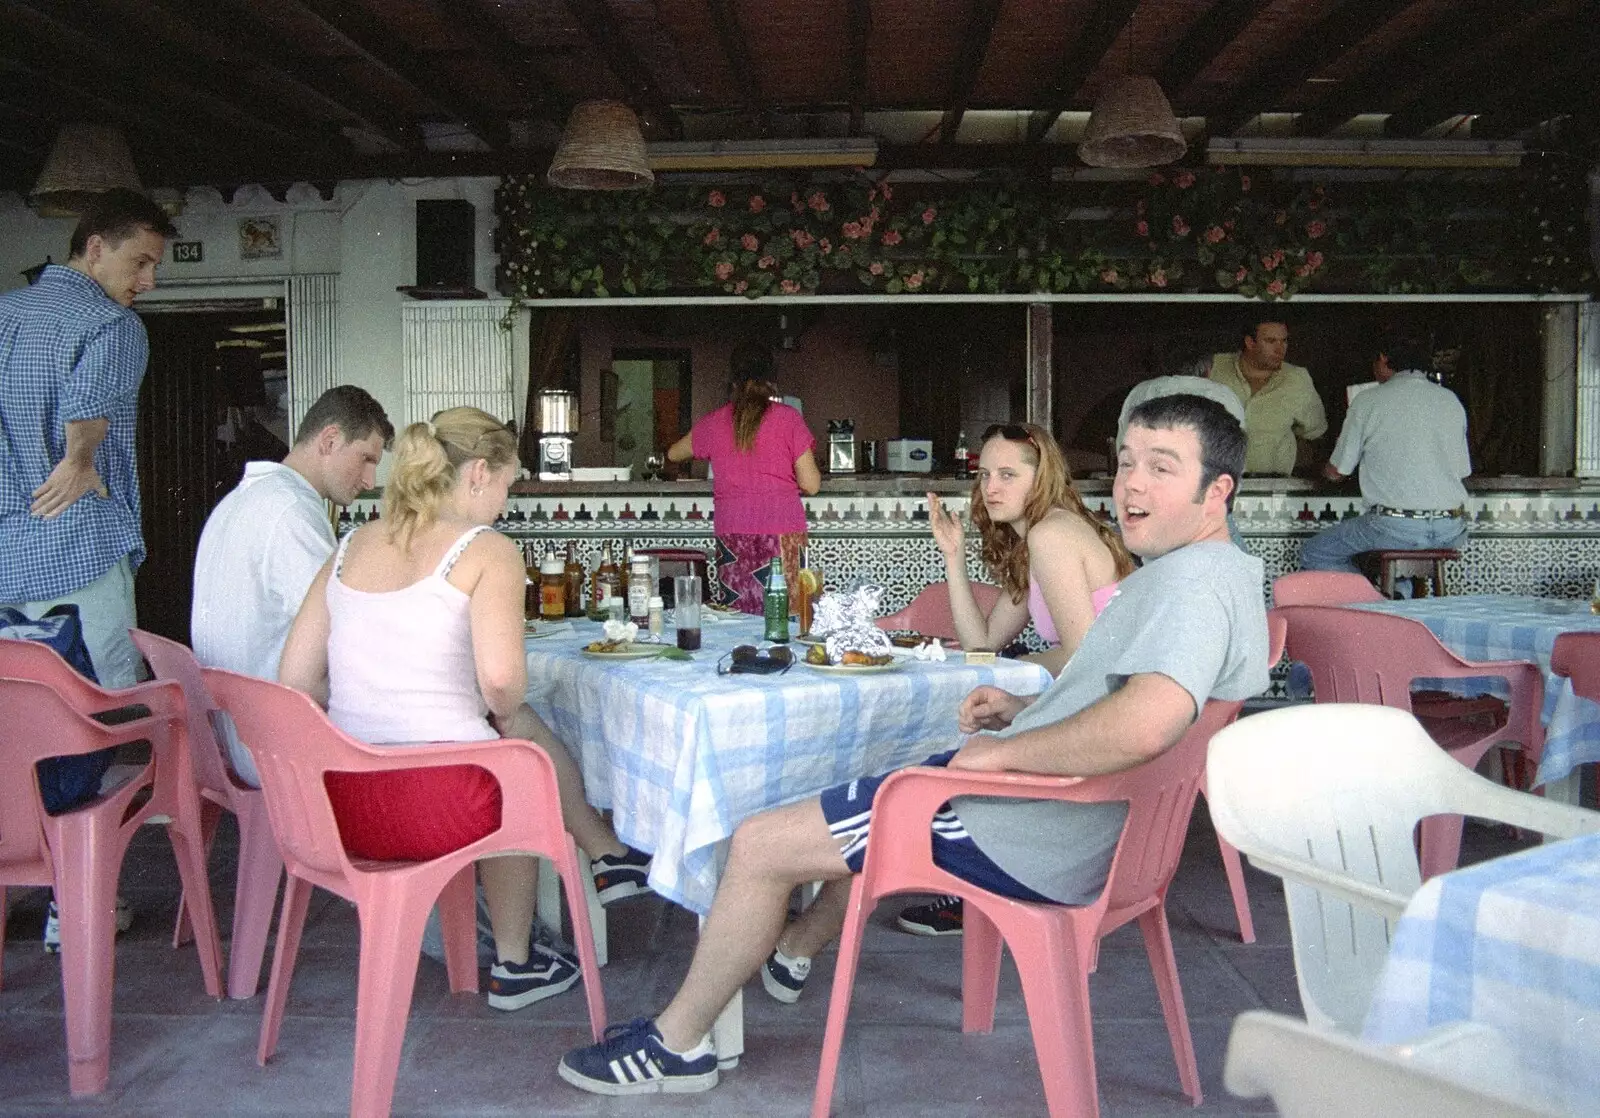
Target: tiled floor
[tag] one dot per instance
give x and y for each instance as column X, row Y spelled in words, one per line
column 178, row 1053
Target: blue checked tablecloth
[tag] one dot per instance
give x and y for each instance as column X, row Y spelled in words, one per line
column 1513, row 943
column 681, row 755
column 1505, row 627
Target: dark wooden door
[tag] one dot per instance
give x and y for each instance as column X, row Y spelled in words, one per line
column 184, row 470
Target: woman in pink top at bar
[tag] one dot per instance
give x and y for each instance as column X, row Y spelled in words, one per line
column 760, row 452
column 1054, row 560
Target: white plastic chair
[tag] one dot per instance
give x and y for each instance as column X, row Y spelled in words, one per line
column 1312, row 1074
column 1328, row 797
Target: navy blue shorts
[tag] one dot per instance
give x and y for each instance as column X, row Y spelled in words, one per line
column 848, row 810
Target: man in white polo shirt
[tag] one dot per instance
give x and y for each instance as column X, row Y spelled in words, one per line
column 1409, row 438
column 265, row 542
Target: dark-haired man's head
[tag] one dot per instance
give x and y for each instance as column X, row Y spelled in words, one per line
column 1265, row 344
column 1221, row 436
column 118, row 242
column 1394, row 351
column 340, row 442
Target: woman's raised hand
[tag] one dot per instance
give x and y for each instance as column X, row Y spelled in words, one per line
column 947, row 530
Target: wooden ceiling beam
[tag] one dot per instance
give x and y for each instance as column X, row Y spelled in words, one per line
column 1521, row 54
column 1307, row 56
column 518, row 66
column 1426, row 62
column 735, row 49
column 1081, row 60
column 1206, row 38
column 70, row 27
column 253, row 45
column 858, row 29
column 41, row 89
column 981, row 19
column 607, row 37
column 371, row 38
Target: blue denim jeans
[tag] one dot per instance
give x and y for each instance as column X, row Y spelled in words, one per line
column 1333, row 548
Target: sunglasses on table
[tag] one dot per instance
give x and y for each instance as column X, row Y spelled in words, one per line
column 747, row 659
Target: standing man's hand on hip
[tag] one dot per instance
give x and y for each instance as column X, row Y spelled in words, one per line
column 68, row 482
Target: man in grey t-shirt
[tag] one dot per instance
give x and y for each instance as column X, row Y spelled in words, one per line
column 1188, row 626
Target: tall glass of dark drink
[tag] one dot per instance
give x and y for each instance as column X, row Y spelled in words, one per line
column 686, row 610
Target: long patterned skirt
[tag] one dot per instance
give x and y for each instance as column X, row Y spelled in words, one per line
column 740, row 557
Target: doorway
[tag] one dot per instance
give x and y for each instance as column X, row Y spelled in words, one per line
column 649, row 406
column 215, row 395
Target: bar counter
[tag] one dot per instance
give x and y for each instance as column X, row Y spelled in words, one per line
column 1538, row 536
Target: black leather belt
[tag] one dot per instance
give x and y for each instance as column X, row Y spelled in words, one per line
column 1420, row 514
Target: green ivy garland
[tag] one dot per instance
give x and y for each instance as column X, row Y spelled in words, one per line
column 1202, row 229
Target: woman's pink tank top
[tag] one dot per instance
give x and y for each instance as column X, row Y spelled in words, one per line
column 1040, row 613
column 400, row 662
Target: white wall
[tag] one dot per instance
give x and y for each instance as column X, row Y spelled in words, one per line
column 366, row 233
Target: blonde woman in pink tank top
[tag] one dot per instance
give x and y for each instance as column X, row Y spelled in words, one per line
column 412, row 633
column 1054, row 561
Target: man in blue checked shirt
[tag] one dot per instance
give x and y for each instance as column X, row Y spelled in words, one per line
column 72, row 356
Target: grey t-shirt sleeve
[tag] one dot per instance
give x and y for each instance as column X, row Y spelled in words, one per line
column 1185, row 639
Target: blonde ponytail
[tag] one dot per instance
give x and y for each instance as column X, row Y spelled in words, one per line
column 428, row 458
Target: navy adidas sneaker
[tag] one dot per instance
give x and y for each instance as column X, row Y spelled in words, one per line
column 633, row 1060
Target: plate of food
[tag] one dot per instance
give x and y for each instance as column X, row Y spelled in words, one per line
column 622, row 650
column 851, row 663
column 810, row 639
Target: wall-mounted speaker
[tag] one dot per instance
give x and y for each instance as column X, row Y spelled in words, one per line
column 445, row 238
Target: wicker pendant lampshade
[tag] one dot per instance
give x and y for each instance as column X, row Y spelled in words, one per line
column 1132, row 125
column 86, row 160
column 602, row 149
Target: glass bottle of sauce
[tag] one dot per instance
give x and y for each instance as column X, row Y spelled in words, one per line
column 639, row 590
column 573, row 573
column 530, row 586
column 552, row 587
column 607, row 579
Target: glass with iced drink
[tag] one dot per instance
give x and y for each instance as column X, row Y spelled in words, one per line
column 686, row 610
column 808, row 588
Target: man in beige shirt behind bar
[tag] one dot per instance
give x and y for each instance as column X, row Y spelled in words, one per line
column 1281, row 405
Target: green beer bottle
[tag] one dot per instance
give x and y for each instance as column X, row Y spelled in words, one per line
column 775, row 603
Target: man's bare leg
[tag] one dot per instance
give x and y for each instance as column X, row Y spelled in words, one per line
column 820, row 923
column 771, row 854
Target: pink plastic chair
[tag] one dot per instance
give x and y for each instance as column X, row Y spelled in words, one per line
column 1322, row 588
column 1055, row 946
column 929, row 612
column 1232, row 865
column 174, row 800
column 77, row 853
column 1577, row 656
column 260, row 864
column 1362, row 656
column 295, row 746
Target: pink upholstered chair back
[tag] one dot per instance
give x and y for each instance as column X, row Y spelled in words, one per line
column 1577, row 656
column 1322, row 588
column 1362, row 656
column 170, row 660
column 1160, row 795
column 929, row 612
column 294, row 745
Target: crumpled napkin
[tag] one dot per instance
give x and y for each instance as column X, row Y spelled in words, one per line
column 933, row 651
column 623, row 632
